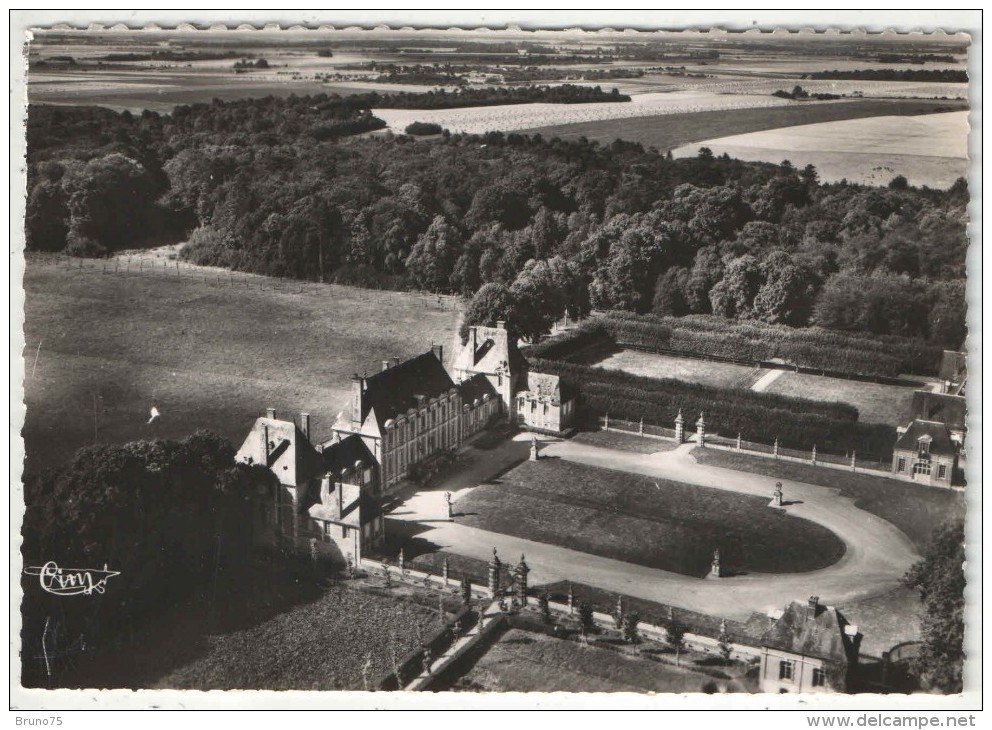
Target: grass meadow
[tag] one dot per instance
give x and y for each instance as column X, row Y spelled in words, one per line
column 101, row 349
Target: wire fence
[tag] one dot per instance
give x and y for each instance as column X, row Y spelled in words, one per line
column 184, row 273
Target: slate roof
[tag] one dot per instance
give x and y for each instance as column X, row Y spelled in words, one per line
column 940, row 444
column 475, row 387
column 940, row 407
column 549, row 385
column 292, row 458
column 821, row 636
column 394, row 391
column 343, row 454
column 494, row 346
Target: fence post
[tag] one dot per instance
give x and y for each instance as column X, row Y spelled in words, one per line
column 854, row 464
column 813, row 456
column 738, row 441
column 606, row 422
column 775, row 449
column 680, row 428
column 640, row 427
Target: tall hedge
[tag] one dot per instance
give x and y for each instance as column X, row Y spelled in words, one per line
column 763, row 417
column 812, row 347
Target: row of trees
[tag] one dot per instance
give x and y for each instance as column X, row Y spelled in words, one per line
column 272, row 191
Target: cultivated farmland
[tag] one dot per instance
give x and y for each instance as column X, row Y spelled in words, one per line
column 103, row 348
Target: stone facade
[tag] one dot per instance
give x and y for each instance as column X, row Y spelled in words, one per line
column 926, row 454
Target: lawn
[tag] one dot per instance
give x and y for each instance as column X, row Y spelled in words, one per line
column 876, row 403
column 338, row 642
column 692, row 370
column 623, row 441
column 523, row 661
column 913, row 508
column 657, row 523
column 671, row 131
column 101, row 349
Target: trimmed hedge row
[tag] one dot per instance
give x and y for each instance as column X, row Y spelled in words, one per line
column 763, row 417
column 812, row 347
column 561, row 346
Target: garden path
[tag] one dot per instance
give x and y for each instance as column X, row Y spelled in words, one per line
column 877, row 553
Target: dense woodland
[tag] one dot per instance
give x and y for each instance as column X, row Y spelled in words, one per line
column 281, row 187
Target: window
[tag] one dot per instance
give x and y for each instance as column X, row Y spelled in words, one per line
column 942, row 471
column 545, row 409
column 922, row 468
column 328, row 527
column 924, row 444
column 785, row 669
column 902, row 463
column 533, row 406
column 819, row 677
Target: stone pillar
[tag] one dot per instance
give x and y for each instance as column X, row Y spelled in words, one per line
column 494, row 568
column 775, row 449
column 640, row 427
column 854, row 462
column 570, row 599
column 521, row 581
column 444, row 571
column 402, row 562
column 738, row 442
column 715, row 565
column 813, row 455
column 679, row 428
column 778, row 494
column 533, row 448
column 606, row 422
column 701, row 431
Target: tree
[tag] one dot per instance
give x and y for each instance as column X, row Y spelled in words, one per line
column 586, row 617
column 433, row 257
column 629, row 630
column 492, row 303
column 725, row 647
column 733, row 296
column 675, row 637
column 669, row 293
column 787, row 295
column 940, row 579
column 544, row 604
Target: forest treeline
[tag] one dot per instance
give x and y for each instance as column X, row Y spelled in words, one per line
column 945, row 75
column 526, row 224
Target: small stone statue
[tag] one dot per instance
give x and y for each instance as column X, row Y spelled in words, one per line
column 778, row 494
column 428, row 660
column 715, row 565
column 447, row 501
column 533, row 448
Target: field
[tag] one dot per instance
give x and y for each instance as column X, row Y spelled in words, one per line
column 876, row 403
column 928, row 150
column 101, row 349
column 319, row 646
column 724, row 375
column 660, row 524
column 523, row 661
column 672, row 131
column 914, row 509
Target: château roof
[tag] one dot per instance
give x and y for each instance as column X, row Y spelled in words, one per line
column 940, row 438
column 342, row 455
column 475, row 388
column 392, row 392
column 292, row 458
column 815, row 631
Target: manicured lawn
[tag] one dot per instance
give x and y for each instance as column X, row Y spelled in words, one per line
column 876, row 403
column 658, row 523
column 522, row 661
column 323, row 645
column 214, row 357
column 914, row 509
column 623, row 441
column 651, row 365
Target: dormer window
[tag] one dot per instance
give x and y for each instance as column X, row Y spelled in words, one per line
column 923, row 447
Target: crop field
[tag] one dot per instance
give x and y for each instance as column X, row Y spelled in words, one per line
column 928, row 150
column 720, row 374
column 690, row 127
column 657, row 523
column 323, row 645
column 523, row 661
column 876, row 403
column 103, row 348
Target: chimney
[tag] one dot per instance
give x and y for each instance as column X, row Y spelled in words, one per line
column 265, row 445
column 438, row 351
column 270, row 413
column 325, row 488
column 305, row 425
column 385, row 364
column 500, row 324
column 357, row 392
column 472, row 338
column 396, row 361
column 811, row 606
